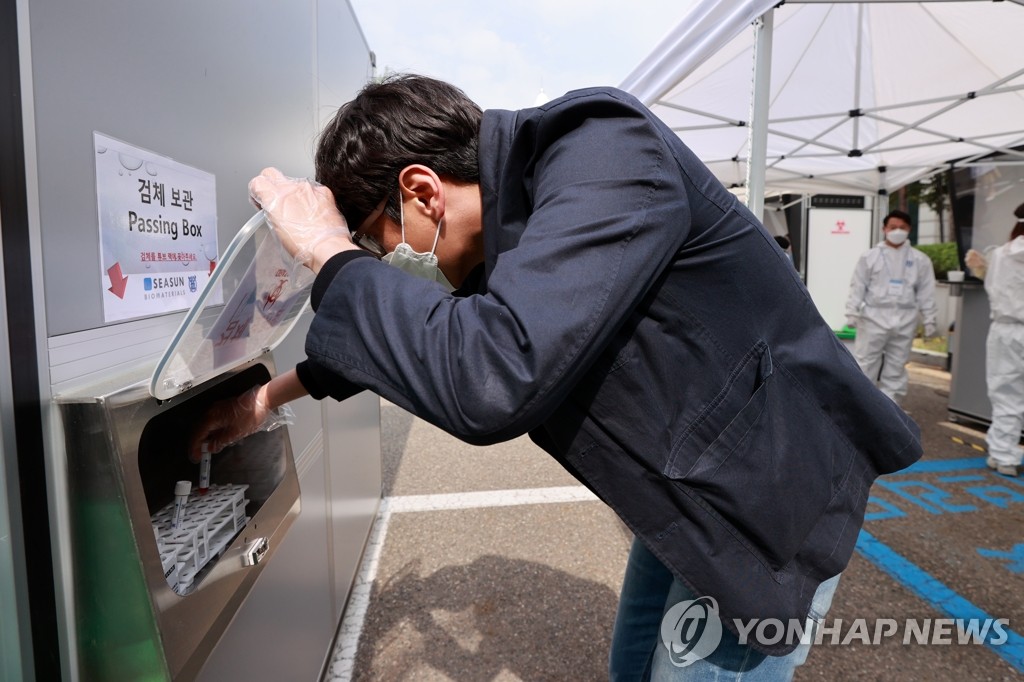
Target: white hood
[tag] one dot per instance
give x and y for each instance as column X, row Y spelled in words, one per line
column 1015, row 249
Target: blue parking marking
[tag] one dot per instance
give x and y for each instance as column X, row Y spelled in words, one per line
column 932, row 499
column 936, row 501
column 889, row 511
column 1014, row 558
column 965, row 483
column 942, row 465
column 937, row 595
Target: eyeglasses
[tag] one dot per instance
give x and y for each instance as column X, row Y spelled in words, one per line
column 365, row 241
column 368, row 243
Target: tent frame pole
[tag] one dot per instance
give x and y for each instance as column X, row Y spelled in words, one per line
column 758, row 129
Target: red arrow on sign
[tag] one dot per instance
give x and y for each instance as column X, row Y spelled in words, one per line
column 118, row 282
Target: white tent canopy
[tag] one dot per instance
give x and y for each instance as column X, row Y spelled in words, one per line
column 864, row 96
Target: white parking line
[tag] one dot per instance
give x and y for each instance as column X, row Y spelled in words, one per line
column 490, row 498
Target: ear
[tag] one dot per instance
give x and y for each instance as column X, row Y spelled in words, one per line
column 420, row 183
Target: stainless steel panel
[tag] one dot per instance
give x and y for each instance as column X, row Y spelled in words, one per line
column 85, row 356
column 352, row 435
column 308, row 421
column 124, row 451
column 288, row 609
column 968, row 390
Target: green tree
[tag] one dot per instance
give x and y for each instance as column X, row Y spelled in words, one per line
column 933, row 192
column 944, row 257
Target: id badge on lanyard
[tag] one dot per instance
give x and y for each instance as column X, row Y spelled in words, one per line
column 896, row 284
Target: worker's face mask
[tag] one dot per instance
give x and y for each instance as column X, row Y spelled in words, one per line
column 896, row 237
column 415, row 263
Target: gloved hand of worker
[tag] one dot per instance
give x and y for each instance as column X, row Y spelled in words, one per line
column 977, row 263
column 303, row 215
column 930, row 332
column 229, row 421
column 851, row 321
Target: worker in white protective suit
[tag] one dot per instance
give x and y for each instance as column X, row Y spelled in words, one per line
column 891, row 284
column 1002, row 269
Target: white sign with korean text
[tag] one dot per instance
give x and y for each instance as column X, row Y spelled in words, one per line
column 158, row 230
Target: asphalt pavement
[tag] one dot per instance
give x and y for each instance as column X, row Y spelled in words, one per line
column 495, row 564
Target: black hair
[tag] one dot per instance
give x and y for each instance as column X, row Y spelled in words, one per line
column 902, row 215
column 401, row 120
column 1018, row 227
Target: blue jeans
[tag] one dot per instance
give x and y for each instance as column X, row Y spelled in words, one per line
column 648, row 591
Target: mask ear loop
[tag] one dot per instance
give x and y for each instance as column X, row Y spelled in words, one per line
column 401, row 213
column 437, row 235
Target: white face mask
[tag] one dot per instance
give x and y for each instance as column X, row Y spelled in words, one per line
column 422, row 265
column 896, row 237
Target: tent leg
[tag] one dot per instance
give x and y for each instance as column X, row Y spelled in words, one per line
column 757, row 141
column 881, row 206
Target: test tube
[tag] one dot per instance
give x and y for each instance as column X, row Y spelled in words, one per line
column 181, row 491
column 204, row 470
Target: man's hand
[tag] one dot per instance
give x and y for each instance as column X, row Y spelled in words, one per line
column 303, row 215
column 930, row 332
column 851, row 321
column 229, row 421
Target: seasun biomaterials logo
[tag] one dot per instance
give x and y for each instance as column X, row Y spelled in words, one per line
column 156, row 283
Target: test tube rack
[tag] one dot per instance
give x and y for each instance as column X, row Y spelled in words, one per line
column 210, row 522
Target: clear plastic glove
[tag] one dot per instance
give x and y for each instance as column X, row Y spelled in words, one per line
column 930, row 332
column 229, row 421
column 301, row 212
column 977, row 262
column 851, row 321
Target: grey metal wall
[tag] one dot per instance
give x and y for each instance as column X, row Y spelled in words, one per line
column 227, row 87
column 968, row 390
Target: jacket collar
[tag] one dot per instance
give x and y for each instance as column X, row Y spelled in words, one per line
column 496, row 132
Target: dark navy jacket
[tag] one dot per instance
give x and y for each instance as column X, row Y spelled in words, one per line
column 637, row 321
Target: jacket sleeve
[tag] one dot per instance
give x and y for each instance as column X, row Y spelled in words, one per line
column 607, row 210
column 925, row 290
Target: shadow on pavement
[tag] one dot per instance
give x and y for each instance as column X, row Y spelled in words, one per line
column 471, row 622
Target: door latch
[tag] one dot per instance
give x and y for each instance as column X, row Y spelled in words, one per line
column 255, row 551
